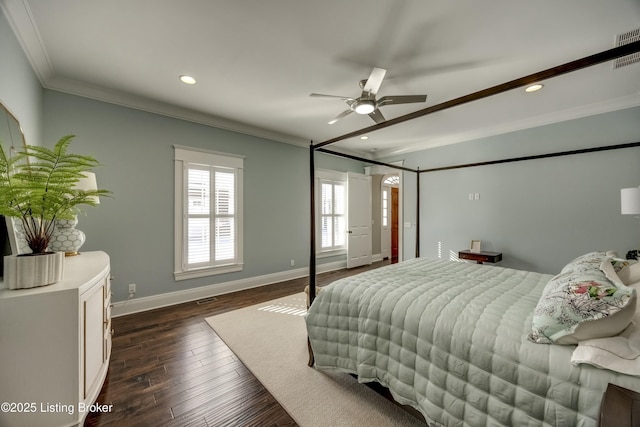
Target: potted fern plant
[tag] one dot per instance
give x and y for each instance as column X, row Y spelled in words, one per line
column 37, row 187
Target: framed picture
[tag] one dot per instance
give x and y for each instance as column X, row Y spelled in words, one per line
column 475, row 245
column 17, row 239
column 12, row 138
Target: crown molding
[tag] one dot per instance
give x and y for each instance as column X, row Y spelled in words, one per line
column 20, row 18
column 22, row 23
column 74, row 87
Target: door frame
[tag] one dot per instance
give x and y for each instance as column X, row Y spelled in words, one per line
column 400, row 227
column 385, row 170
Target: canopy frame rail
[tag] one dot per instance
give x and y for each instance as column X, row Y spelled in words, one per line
column 585, row 62
column 535, row 157
column 312, row 204
column 578, row 64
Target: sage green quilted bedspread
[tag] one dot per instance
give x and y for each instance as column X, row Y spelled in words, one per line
column 450, row 339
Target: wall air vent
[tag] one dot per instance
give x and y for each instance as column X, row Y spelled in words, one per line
column 621, row 40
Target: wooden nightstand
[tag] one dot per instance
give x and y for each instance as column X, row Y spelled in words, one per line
column 480, row 257
column 619, row 408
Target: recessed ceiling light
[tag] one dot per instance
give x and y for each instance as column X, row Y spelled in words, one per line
column 363, row 137
column 187, row 79
column 534, row 88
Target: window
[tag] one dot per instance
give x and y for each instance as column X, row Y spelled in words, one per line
column 332, row 216
column 392, row 180
column 385, row 207
column 331, row 212
column 208, row 225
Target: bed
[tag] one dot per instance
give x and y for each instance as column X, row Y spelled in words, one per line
column 468, row 344
column 454, row 341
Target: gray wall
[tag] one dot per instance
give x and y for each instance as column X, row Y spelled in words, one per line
column 20, row 90
column 539, row 213
column 136, row 226
column 21, row 94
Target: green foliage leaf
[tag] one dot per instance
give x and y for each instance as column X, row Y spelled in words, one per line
column 38, row 186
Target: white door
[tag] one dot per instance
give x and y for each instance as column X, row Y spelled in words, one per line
column 359, row 222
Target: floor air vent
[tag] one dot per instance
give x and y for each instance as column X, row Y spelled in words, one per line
column 626, row 38
column 206, row 300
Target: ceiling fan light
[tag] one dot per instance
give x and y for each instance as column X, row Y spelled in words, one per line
column 365, row 107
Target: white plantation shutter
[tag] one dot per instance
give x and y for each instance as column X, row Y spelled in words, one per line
column 326, row 220
column 332, row 215
column 209, row 220
column 198, row 223
column 225, row 209
column 339, row 211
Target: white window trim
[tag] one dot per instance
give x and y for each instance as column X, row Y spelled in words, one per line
column 183, row 156
column 333, row 176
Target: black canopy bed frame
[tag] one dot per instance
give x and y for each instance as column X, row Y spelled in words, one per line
column 588, row 61
column 331, row 359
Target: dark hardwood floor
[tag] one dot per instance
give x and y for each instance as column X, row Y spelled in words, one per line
column 169, row 368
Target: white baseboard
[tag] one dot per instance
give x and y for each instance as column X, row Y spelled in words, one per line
column 137, row 305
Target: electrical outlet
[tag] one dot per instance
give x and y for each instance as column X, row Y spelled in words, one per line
column 293, row 263
column 132, row 289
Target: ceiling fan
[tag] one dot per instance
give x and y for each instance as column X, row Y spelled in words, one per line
column 367, row 103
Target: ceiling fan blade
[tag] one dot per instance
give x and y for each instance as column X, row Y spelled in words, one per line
column 374, row 81
column 321, row 95
column 341, row 115
column 401, row 99
column 377, row 116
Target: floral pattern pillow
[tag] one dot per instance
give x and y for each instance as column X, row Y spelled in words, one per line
column 586, row 262
column 581, row 293
column 619, row 264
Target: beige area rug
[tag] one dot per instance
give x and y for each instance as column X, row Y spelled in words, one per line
column 271, row 340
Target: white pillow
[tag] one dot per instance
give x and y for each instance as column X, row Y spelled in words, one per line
column 630, row 274
column 620, row 353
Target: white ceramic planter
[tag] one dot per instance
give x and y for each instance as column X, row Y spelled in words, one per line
column 23, row 272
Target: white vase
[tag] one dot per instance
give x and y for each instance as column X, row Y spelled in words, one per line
column 30, row 271
column 66, row 237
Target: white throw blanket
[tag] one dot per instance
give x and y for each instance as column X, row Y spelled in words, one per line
column 620, row 353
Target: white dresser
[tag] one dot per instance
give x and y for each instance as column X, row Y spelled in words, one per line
column 55, row 344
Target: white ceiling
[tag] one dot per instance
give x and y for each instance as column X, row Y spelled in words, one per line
column 257, row 61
